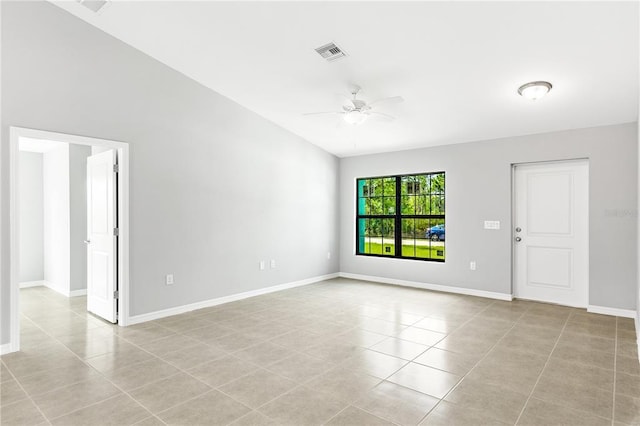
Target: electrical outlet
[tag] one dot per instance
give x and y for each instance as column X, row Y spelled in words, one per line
column 472, row 265
column 168, row 279
column 273, row 264
column 262, row 265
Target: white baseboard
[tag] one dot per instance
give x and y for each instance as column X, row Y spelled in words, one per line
column 626, row 313
column 29, row 284
column 64, row 291
column 5, row 349
column 137, row 319
column 427, row 286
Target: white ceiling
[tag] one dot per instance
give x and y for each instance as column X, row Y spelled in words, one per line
column 457, row 64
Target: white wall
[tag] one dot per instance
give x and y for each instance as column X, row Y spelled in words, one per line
column 55, row 173
column 215, row 188
column 78, row 215
column 478, row 185
column 31, row 217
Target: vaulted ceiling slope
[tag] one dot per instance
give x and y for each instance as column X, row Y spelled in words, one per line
column 458, row 65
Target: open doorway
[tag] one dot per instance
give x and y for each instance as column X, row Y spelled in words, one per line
column 69, row 223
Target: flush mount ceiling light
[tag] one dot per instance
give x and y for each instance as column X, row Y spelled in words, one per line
column 535, row 89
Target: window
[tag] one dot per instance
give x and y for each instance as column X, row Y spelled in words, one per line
column 401, row 216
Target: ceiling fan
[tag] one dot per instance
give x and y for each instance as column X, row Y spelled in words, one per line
column 359, row 110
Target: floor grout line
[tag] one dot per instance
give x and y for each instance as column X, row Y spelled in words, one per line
column 354, row 309
column 524, row 407
column 453, row 388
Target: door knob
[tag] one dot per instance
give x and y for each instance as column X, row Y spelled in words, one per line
column 87, row 241
column 518, row 229
column 518, row 239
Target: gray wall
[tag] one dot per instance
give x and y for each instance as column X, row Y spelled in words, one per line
column 478, row 185
column 55, row 173
column 31, row 220
column 215, row 188
column 78, row 214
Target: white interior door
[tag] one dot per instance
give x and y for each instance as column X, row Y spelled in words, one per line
column 101, row 235
column 551, row 227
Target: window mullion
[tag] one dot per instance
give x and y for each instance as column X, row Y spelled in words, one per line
column 398, row 221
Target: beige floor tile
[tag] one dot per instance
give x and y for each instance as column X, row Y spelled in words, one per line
column 165, row 345
column 297, row 340
column 628, row 348
column 210, row 332
column 71, row 398
column 235, row 341
column 425, row 379
column 21, row 413
column 258, row 388
column 343, row 383
column 334, row 350
column 210, row 408
column 303, row 406
column 449, row 414
column 264, row 353
column 465, row 344
column 301, row 367
column 570, row 391
column 627, row 384
column 539, row 412
column 119, row 410
column 361, row 338
column 150, row 421
column 334, row 339
column 400, row 348
column 144, row 334
column 140, row 374
column 166, row 393
column 396, row 403
column 4, row 373
column 439, row 325
column 218, row 372
column 628, row 365
column 125, row 356
column 627, row 410
column 254, row 418
column 452, row 362
column 476, row 395
column 193, row 356
column 421, row 336
column 49, row 380
column 354, row 416
column 10, row 392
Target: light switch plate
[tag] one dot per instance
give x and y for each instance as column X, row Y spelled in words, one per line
column 491, row 224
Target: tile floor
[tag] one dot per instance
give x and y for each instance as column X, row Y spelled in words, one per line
column 340, row 352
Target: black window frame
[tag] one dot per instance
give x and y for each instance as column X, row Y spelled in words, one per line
column 397, row 216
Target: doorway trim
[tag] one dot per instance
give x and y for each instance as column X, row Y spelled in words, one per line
column 513, row 221
column 14, row 221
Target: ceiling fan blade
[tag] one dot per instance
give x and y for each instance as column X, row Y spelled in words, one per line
column 391, row 100
column 382, row 115
column 323, row 112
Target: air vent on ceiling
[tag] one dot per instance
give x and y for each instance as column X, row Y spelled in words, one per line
column 94, row 5
column 330, row 52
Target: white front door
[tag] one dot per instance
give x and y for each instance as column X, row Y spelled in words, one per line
column 550, row 232
column 102, row 244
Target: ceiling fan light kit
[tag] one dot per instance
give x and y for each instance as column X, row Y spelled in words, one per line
column 358, row 110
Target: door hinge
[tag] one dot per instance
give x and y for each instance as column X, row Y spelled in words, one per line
column 116, row 294
column 116, row 169
column 116, row 232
